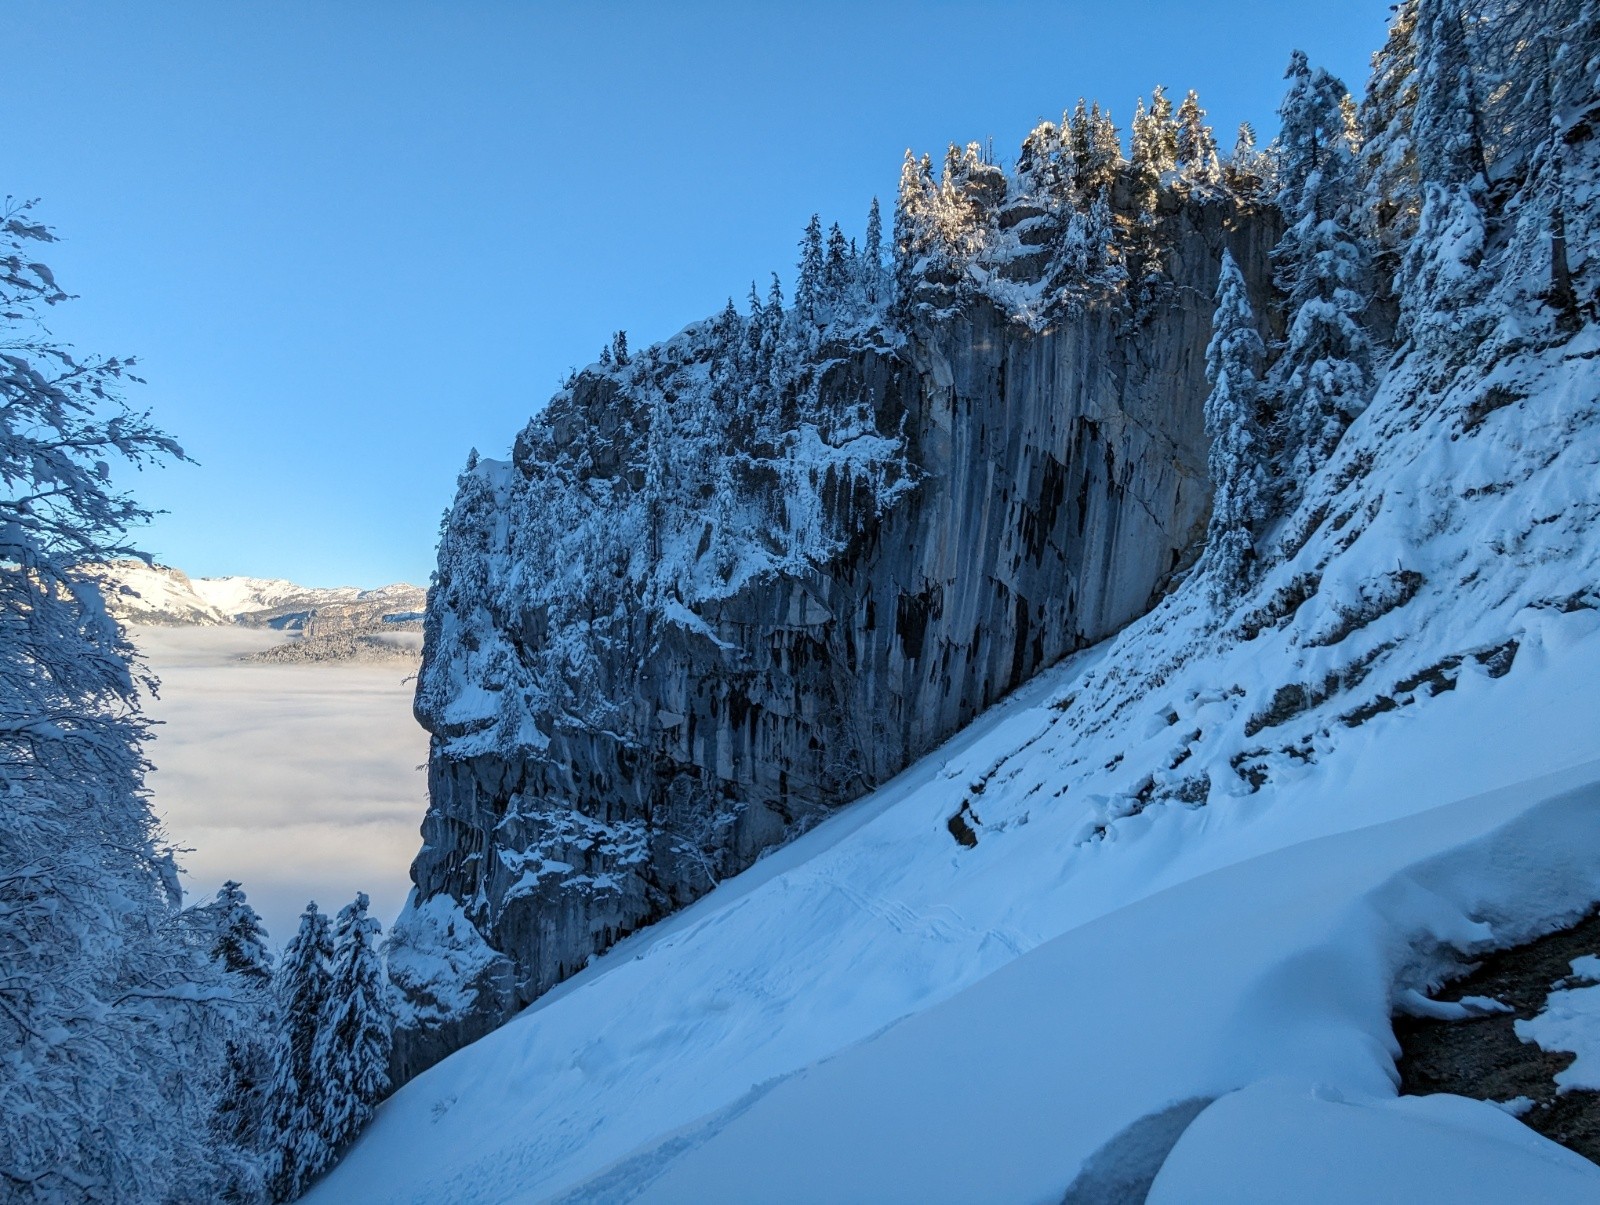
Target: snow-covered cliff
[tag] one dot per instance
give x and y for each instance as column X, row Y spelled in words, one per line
column 732, row 582
column 742, row 578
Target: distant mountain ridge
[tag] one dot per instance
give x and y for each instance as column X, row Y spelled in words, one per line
column 328, row 623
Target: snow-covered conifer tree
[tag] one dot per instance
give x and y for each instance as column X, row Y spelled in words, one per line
column 1237, row 431
column 240, row 944
column 1144, row 172
column 753, row 327
column 1243, row 170
column 836, row 272
column 1075, row 133
column 1101, row 157
column 961, row 219
column 1044, row 167
column 1154, row 147
column 1324, row 376
column 808, row 289
column 772, row 318
column 231, row 930
column 302, row 987
column 872, row 282
column 1391, row 197
column 1442, row 282
column 770, row 367
column 1196, row 145
column 351, row 1058
column 1089, row 255
column 915, row 218
column 730, row 327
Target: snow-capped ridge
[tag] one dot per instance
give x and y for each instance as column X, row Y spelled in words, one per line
column 156, row 593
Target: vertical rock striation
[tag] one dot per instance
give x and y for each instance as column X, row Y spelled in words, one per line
column 930, row 509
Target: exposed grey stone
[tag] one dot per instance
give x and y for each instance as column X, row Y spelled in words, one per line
column 1062, row 481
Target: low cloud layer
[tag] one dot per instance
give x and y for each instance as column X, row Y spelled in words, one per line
column 301, row 781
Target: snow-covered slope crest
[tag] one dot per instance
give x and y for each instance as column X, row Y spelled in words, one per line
column 993, row 1023
column 144, row 593
column 244, row 595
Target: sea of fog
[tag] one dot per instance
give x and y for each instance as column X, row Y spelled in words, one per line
column 302, row 781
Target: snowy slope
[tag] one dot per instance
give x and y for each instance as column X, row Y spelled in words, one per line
column 1040, row 993
column 157, row 594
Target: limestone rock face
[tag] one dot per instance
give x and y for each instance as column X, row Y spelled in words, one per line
column 1044, row 485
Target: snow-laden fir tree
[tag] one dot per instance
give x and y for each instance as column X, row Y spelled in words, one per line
column 111, row 1042
column 872, row 277
column 1196, row 145
column 302, row 990
column 1154, row 149
column 240, row 944
column 1090, row 255
column 1391, row 197
column 808, row 289
column 1323, row 378
column 233, row 933
column 1153, row 154
column 1442, row 282
column 838, row 273
column 1102, row 155
column 914, row 222
column 969, row 188
column 1045, row 169
column 350, row 1061
column 1245, row 171
column 1237, row 431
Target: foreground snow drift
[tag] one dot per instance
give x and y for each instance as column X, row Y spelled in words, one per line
column 876, row 1013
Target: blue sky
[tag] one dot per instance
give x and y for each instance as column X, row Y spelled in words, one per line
column 350, row 241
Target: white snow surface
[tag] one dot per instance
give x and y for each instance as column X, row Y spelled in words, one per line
column 1275, row 1142
column 241, row 595
column 134, row 588
column 874, row 1014
column 1570, row 1022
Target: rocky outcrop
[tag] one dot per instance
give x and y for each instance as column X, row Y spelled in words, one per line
column 1035, row 487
